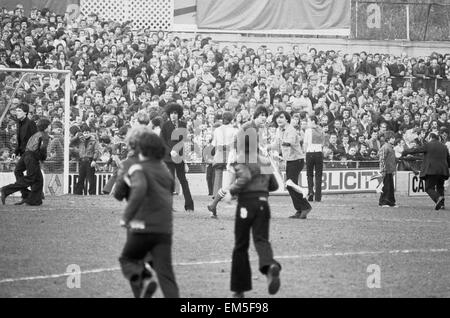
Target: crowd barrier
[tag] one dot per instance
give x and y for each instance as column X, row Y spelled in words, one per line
column 338, row 178
column 50, row 167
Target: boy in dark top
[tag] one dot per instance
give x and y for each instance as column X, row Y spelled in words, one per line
column 253, row 183
column 35, row 151
column 121, row 189
column 148, row 219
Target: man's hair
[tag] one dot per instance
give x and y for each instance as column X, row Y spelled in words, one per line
column 433, row 136
column 157, row 121
column 260, row 110
column 143, row 118
column 85, row 127
column 314, row 119
column 42, row 124
column 282, row 112
column 24, row 107
column 227, row 118
column 133, row 136
column 151, row 145
column 174, row 108
column 389, row 135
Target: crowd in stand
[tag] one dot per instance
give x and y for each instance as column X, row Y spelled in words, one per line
column 117, row 73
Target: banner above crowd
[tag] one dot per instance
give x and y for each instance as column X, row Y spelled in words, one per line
column 58, row 6
column 273, row 14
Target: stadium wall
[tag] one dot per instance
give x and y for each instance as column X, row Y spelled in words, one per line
column 323, row 43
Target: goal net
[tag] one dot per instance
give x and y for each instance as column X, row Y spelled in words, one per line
column 47, row 92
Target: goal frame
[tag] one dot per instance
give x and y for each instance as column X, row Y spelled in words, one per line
column 67, row 74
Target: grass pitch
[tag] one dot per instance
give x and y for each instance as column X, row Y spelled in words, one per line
column 331, row 254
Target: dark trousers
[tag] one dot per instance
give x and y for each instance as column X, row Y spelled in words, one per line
column 133, row 258
column 434, row 186
column 293, row 169
column 18, row 173
column 85, row 172
column 110, row 183
column 218, row 177
column 181, row 174
column 257, row 221
column 33, row 179
column 314, row 166
column 210, row 178
column 387, row 197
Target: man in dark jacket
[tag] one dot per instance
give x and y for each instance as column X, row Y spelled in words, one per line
column 387, row 170
column 434, row 169
column 174, row 133
column 25, row 129
column 89, row 151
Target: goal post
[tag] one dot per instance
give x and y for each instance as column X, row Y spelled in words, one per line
column 16, row 86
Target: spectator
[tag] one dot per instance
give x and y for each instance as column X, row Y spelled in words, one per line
column 89, row 152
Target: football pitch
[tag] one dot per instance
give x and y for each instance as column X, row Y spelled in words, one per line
column 348, row 247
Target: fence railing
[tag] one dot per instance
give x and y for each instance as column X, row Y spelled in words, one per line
column 430, row 84
column 194, row 167
column 404, row 164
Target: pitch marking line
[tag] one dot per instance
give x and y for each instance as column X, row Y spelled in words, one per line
column 306, row 256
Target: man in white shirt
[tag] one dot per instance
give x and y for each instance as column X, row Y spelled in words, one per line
column 288, row 143
column 223, row 139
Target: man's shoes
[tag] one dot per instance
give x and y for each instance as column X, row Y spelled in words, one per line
column 20, row 202
column 238, row 295
column 310, row 197
column 213, row 210
column 273, row 279
column 440, row 203
column 190, row 211
column 149, row 284
column 301, row 214
column 33, row 204
column 305, row 213
column 3, row 196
